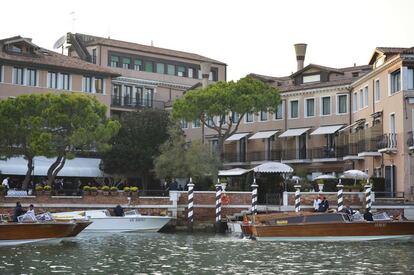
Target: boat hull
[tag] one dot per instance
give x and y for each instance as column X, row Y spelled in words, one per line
column 20, row 233
column 352, row 231
column 128, row 224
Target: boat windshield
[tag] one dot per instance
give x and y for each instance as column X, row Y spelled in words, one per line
column 357, row 217
column 28, row 217
column 44, row 217
column 381, row 217
column 133, row 212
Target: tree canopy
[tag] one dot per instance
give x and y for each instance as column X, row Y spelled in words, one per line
column 179, row 159
column 226, row 100
column 137, row 143
column 55, row 125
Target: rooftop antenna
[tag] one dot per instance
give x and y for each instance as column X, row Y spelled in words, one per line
column 109, row 32
column 73, row 15
column 152, row 43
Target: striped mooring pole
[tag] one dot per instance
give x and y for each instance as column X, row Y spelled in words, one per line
column 254, row 197
column 340, row 196
column 297, row 197
column 368, row 197
column 190, row 205
column 218, row 201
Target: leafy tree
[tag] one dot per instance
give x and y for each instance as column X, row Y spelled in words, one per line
column 180, row 159
column 75, row 123
column 21, row 131
column 224, row 99
column 137, row 143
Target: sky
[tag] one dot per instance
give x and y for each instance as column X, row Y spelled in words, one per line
column 249, row 36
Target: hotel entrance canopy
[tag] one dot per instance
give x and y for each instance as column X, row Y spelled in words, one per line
column 326, row 130
column 238, row 136
column 294, row 132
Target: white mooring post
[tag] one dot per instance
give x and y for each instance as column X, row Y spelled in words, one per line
column 340, row 196
column 368, row 197
column 218, row 201
column 297, row 197
column 254, row 199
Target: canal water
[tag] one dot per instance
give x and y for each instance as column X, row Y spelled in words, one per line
column 205, row 254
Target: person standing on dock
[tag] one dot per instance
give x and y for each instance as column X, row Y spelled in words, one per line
column 6, row 185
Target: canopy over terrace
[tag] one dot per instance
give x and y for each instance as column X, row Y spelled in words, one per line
column 273, row 167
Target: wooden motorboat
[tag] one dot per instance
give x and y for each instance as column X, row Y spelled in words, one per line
column 13, row 233
column 103, row 221
column 325, row 227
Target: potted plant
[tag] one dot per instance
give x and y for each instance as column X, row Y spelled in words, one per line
column 86, row 189
column 134, row 191
column 39, row 189
column 94, row 190
column 47, row 189
column 114, row 190
column 127, row 190
column 105, row 190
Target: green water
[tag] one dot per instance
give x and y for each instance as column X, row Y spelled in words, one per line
column 205, row 254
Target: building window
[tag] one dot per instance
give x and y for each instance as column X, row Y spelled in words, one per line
column 126, row 62
column 361, row 99
column 377, row 90
column 310, row 107
column 410, row 78
column 311, row 78
column 94, row 56
column 190, row 72
column 99, row 86
column 138, row 65
column 355, row 74
column 181, row 71
column 170, row 69
column 366, row 96
column 392, row 123
column 210, row 121
column 326, row 106
column 279, row 111
column 1, row 73
column 249, row 117
column 149, row 66
column 148, row 97
column 52, row 80
column 355, row 102
column 31, row 77
column 183, row 124
column 294, row 109
column 114, row 61
column 87, row 84
column 395, row 79
column 18, row 76
column 342, row 104
column 65, row 78
column 235, row 117
column 197, row 123
column 160, row 68
column 200, row 75
column 263, row 116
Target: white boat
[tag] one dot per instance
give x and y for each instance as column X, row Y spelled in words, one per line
column 102, row 221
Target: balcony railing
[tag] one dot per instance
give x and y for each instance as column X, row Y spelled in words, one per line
column 388, row 142
column 127, row 102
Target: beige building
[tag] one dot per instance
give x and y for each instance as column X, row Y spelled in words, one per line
column 27, row 68
column 149, row 76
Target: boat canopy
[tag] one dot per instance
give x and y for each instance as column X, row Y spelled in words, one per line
column 233, row 172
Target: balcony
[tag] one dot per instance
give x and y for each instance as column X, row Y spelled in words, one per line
column 327, row 153
column 388, row 143
column 410, row 141
column 129, row 103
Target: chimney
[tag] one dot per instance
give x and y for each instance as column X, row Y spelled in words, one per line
column 300, row 50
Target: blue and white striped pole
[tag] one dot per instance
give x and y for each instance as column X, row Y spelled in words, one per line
column 297, row 197
column 340, row 196
column 254, row 198
column 190, row 204
column 368, row 197
column 218, row 201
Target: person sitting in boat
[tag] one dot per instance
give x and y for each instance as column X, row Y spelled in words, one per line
column 316, row 203
column 348, row 210
column 324, row 205
column 31, row 210
column 18, row 211
column 368, row 216
column 119, row 211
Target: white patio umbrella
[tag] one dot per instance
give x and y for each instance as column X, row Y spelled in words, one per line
column 355, row 174
column 324, row 177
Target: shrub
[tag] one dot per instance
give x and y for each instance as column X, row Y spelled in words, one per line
column 105, row 188
column 134, row 189
column 127, row 189
column 39, row 188
column 94, row 189
column 114, row 188
column 47, row 188
column 86, row 188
